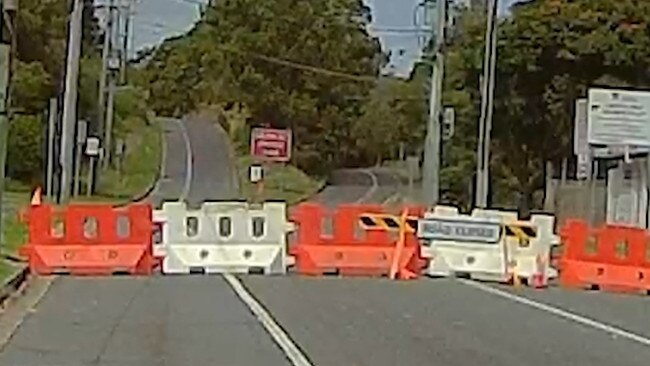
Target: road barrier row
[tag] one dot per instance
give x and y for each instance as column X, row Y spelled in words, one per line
column 610, row 257
column 89, row 240
column 490, row 245
column 219, row 237
column 353, row 247
column 359, row 240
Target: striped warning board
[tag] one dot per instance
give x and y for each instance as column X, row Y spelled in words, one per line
column 385, row 222
column 522, row 231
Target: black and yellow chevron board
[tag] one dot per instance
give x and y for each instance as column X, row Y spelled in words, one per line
column 385, row 222
column 523, row 232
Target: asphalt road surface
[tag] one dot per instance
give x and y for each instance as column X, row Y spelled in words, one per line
column 128, row 321
column 256, row 320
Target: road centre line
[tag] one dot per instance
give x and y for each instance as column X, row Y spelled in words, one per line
column 281, row 338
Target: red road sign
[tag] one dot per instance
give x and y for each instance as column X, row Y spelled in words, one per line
column 271, row 144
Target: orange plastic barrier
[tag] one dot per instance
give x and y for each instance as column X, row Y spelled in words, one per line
column 350, row 250
column 90, row 240
column 611, row 258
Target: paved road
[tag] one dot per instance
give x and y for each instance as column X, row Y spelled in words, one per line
column 317, row 321
column 127, row 321
column 441, row 322
column 372, row 185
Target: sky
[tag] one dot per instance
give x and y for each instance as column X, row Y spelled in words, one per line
column 155, row 20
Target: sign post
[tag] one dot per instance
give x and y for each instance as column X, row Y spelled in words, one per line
column 269, row 145
column 619, row 127
column 92, row 150
column 82, row 132
column 256, row 175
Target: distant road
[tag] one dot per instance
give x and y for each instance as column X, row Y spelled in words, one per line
column 170, row 320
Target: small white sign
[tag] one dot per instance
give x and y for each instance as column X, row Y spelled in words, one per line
column 92, row 146
column 618, row 117
column 583, row 168
column 466, row 230
column 256, row 173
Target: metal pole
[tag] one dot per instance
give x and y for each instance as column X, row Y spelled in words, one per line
column 431, row 165
column 109, row 122
column 89, row 180
column 77, row 172
column 70, row 98
column 7, row 45
column 51, row 132
column 487, row 99
column 125, row 44
column 101, row 99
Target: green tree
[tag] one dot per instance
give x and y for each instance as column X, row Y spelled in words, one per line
column 549, row 53
column 273, row 57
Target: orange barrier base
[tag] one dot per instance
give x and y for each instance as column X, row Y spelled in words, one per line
column 84, row 260
column 607, row 277
column 355, row 260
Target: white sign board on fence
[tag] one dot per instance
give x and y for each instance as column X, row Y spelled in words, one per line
column 618, row 117
column 465, row 230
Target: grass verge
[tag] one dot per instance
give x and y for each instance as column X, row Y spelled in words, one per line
column 139, row 168
column 139, row 171
column 14, row 233
column 281, row 182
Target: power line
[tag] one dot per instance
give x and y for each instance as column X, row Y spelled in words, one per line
column 304, row 67
column 285, row 62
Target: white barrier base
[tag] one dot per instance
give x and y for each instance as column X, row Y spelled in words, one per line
column 454, row 261
column 186, row 258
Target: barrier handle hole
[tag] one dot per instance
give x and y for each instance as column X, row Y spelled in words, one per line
column 191, row 226
column 258, row 226
column 123, row 227
column 225, row 226
column 90, row 227
column 57, row 228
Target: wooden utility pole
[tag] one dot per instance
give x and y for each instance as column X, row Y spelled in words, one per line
column 70, row 97
column 8, row 9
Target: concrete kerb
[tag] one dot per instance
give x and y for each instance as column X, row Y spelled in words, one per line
column 20, row 279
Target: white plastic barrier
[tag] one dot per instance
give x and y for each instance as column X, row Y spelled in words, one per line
column 223, row 237
column 487, row 245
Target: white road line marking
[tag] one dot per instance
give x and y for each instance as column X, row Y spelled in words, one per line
column 188, row 164
column 280, row 337
column 372, row 189
column 163, row 158
column 561, row 313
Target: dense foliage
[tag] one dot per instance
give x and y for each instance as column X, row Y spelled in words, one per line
column 550, row 52
column 313, row 66
column 38, row 74
column 307, row 65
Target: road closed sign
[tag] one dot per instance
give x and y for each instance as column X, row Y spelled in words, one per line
column 271, row 144
column 463, row 230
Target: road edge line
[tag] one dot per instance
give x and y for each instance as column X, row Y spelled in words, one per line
column 561, row 313
column 188, row 163
column 280, row 337
column 372, row 189
column 16, row 313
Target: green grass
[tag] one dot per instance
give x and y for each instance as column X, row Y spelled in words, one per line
column 139, row 168
column 14, row 232
column 139, row 171
column 281, row 182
